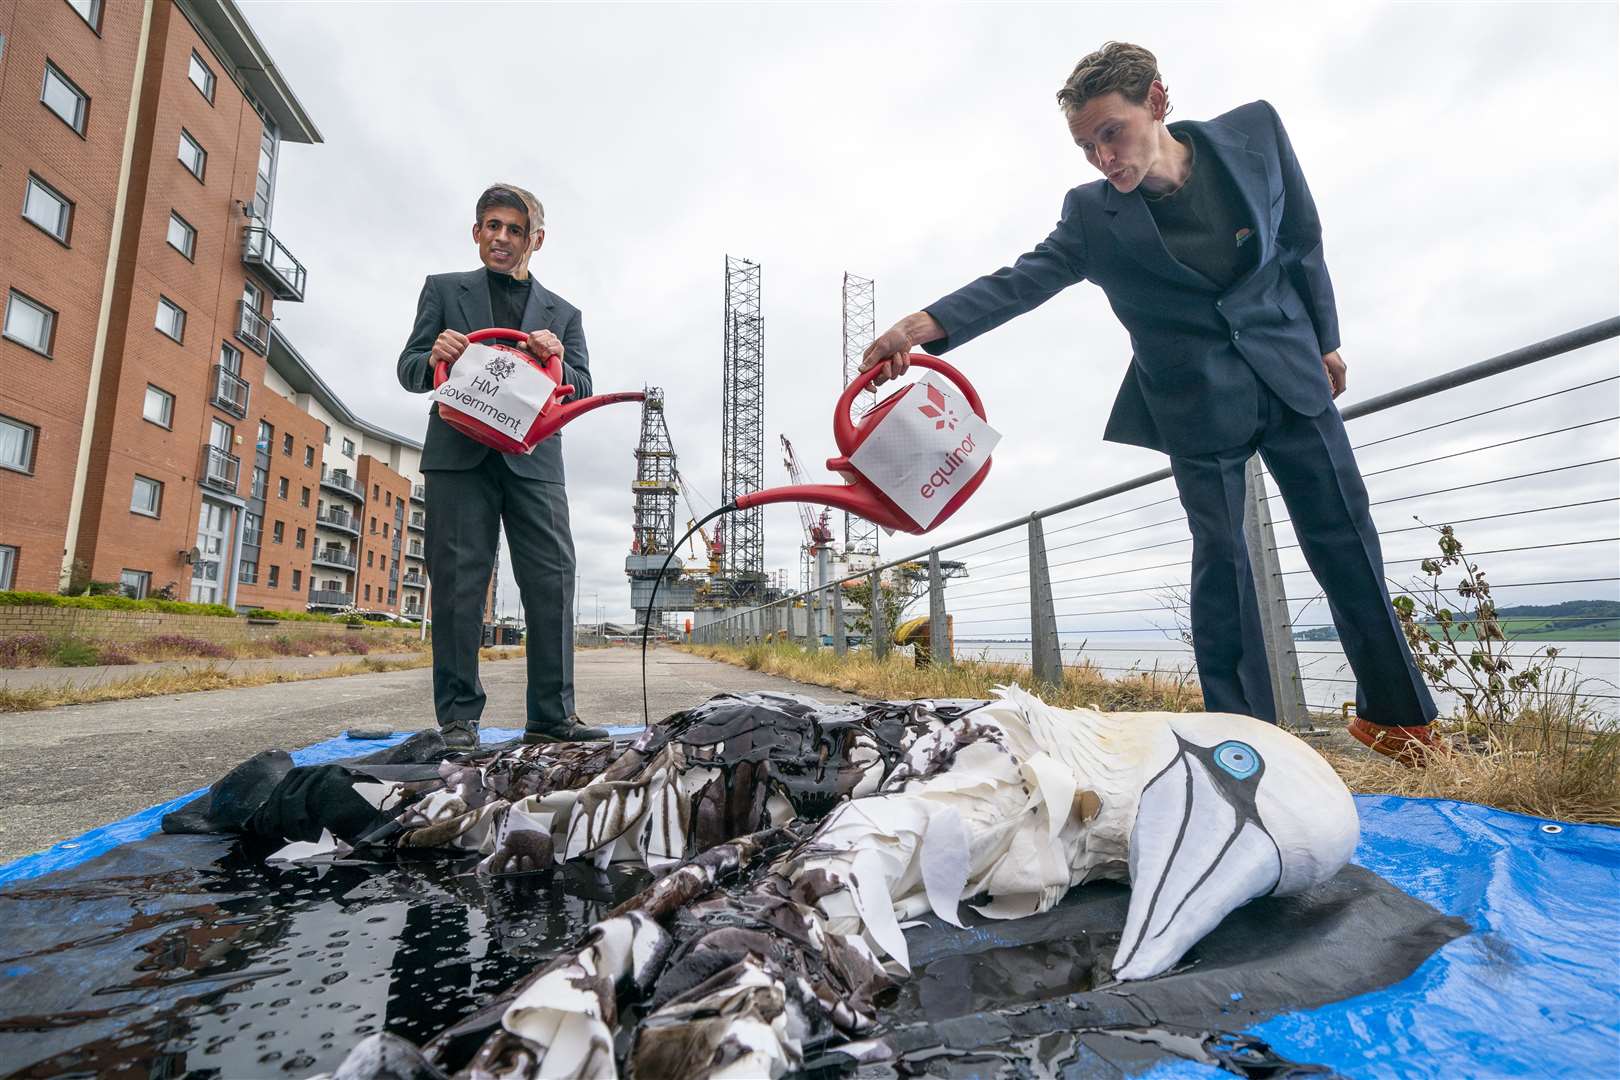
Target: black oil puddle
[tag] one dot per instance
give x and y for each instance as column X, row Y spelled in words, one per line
column 245, row 970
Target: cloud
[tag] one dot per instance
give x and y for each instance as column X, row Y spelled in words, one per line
column 1464, row 160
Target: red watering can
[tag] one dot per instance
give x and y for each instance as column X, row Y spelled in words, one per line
column 486, row 420
column 861, row 496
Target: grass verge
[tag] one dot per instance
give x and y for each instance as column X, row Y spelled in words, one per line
column 1561, row 760
column 207, row 677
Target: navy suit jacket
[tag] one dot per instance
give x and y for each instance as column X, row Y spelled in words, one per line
column 461, row 302
column 1197, row 350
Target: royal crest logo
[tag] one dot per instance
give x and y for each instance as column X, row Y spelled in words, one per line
column 499, row 367
column 937, row 411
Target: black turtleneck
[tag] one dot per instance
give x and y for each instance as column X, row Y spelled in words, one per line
column 507, row 299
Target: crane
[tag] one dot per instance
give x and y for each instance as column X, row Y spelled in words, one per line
column 817, row 531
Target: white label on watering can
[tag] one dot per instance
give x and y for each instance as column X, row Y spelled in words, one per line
column 497, row 388
column 926, row 447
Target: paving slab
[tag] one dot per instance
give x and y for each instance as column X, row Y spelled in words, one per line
column 70, row 769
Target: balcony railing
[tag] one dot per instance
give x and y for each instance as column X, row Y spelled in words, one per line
column 335, row 557
column 252, row 536
column 330, row 598
column 219, row 469
column 413, row 581
column 230, row 391
column 252, row 328
column 338, row 520
column 419, row 493
column 271, row 260
column 419, row 522
column 338, row 480
column 248, row 573
column 415, row 552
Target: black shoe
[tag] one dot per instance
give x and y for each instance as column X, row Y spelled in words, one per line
column 460, row 734
column 570, row 731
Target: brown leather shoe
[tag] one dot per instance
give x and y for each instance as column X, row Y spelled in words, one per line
column 1410, row 746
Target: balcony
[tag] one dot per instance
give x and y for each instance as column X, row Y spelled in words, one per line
column 231, row 391
column 419, row 522
column 415, row 551
column 330, row 598
column 252, row 329
column 334, row 556
column 410, row 610
column 218, row 469
column 273, row 263
column 419, row 493
column 340, row 481
column 413, row 580
column 335, row 519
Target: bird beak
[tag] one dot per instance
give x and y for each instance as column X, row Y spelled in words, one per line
column 1198, row 851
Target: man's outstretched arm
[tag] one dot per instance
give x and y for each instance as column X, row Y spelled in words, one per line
column 1056, row 263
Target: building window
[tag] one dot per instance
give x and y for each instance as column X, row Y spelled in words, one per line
column 265, row 183
column 385, row 528
column 66, row 100
column 182, row 237
column 388, row 498
column 297, row 580
column 136, row 583
column 326, row 434
column 382, row 562
column 371, row 558
column 348, row 448
column 309, row 457
column 201, row 76
column 158, row 407
column 252, row 529
column 147, row 496
column 373, row 524
column 248, row 574
column 303, row 496
column 286, row 445
column 376, row 492
column 171, row 319
column 261, row 482
column 368, row 592
column 17, row 441
column 274, row 580
column 192, row 155
column 8, row 566
column 89, row 11
column 281, row 488
column 29, row 323
column 266, row 432
column 278, row 531
column 48, row 208
column 299, row 536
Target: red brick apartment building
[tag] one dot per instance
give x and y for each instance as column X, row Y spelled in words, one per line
column 154, row 429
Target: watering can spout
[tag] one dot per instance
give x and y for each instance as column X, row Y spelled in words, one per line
column 553, row 419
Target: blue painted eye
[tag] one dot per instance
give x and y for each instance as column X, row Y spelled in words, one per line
column 1238, row 759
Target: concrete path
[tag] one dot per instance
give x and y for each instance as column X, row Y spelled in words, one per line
column 30, row 678
column 66, row 770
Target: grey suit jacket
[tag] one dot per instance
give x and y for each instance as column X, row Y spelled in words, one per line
column 461, row 302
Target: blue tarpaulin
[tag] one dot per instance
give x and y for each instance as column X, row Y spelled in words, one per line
column 1535, row 990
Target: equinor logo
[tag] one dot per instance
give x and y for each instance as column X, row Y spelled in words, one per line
column 936, row 410
column 940, row 478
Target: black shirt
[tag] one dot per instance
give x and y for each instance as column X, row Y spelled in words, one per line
column 507, row 299
column 1205, row 222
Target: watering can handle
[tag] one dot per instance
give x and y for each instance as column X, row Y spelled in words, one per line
column 551, row 365
column 845, row 429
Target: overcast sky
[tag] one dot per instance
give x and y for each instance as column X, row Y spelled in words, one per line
column 1463, row 157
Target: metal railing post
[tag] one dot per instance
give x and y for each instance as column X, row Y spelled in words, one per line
column 1046, row 658
column 840, row 644
column 939, row 645
column 879, row 628
column 1286, row 688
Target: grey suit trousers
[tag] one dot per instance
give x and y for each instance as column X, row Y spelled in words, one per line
column 465, row 510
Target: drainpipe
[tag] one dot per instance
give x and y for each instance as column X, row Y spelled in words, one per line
column 81, row 471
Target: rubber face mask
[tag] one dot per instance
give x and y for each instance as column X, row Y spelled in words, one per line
column 1231, row 809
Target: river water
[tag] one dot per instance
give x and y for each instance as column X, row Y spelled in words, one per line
column 1592, row 666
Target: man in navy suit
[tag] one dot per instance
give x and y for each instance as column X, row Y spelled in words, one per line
column 1206, row 241
column 472, row 488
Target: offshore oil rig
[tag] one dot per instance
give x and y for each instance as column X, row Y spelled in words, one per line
column 730, row 571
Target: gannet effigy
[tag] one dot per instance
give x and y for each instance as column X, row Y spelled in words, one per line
column 922, row 807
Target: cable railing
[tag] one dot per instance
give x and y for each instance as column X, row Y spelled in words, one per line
column 1516, row 453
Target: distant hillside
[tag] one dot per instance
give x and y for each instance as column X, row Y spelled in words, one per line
column 1573, row 620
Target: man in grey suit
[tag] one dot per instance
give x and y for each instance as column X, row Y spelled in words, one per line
column 472, row 489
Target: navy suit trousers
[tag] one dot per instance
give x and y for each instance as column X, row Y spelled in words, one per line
column 465, row 509
column 1315, row 471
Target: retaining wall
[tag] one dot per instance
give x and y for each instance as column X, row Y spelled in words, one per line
column 133, row 626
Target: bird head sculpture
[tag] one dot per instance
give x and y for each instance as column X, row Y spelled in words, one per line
column 1231, row 809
